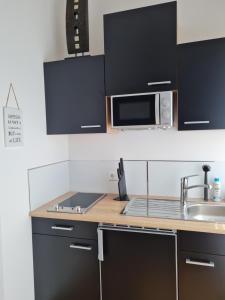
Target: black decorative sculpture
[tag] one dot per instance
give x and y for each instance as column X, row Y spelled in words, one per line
column 122, row 183
column 77, row 30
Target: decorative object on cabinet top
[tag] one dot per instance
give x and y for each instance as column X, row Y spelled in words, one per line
column 77, row 29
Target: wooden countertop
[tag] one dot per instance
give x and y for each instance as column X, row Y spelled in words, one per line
column 109, row 211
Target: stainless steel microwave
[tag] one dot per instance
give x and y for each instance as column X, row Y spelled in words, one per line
column 140, row 111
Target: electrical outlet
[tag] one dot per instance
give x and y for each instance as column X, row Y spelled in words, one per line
column 113, row 176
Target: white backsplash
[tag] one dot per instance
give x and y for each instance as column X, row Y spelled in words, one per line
column 49, row 182
column 95, row 176
column 92, row 176
column 136, row 177
column 165, row 177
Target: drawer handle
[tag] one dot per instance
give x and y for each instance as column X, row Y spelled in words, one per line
column 80, row 247
column 90, row 126
column 70, row 228
column 196, row 122
column 210, row 264
column 159, row 83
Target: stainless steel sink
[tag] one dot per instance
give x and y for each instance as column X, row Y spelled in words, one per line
column 172, row 209
column 205, row 212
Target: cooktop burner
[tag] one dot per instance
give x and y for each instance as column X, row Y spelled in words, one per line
column 77, row 204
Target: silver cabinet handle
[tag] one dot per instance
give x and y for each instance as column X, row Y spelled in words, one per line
column 80, row 247
column 210, row 264
column 100, row 245
column 62, row 228
column 90, row 126
column 159, row 83
column 196, row 122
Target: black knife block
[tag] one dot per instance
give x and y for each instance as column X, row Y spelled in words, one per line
column 122, row 183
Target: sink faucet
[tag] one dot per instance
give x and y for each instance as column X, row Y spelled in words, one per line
column 185, row 188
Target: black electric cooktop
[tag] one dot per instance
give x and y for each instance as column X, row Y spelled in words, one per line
column 77, row 204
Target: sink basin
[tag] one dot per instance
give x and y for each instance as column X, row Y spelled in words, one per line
column 206, row 212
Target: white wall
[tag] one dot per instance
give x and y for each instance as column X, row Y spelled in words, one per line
column 30, row 32
column 1, row 266
column 197, row 19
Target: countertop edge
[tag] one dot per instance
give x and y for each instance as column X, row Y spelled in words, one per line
column 109, row 211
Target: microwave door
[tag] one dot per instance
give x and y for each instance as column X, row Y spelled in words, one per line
column 157, row 109
column 136, row 111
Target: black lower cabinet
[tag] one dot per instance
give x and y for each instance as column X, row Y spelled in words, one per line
column 201, row 276
column 65, row 268
column 138, row 266
column 201, row 266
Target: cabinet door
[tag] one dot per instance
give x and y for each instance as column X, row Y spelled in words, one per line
column 62, row 271
column 140, row 48
column 201, row 276
column 201, row 85
column 75, row 95
column 138, row 266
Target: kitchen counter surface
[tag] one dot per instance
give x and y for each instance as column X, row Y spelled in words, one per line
column 109, row 211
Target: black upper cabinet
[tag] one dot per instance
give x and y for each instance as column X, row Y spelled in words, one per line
column 75, row 95
column 140, row 48
column 201, row 85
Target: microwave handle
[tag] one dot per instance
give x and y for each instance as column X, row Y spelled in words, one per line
column 157, row 109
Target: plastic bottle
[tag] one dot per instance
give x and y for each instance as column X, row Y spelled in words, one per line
column 216, row 189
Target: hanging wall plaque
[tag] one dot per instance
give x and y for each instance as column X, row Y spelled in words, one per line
column 13, row 122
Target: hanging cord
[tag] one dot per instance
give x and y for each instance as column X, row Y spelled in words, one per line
column 11, row 88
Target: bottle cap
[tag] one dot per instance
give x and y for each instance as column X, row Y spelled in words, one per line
column 216, row 179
